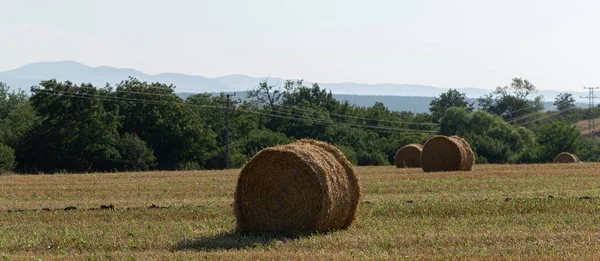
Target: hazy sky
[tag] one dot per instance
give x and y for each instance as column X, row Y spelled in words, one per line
column 475, row 43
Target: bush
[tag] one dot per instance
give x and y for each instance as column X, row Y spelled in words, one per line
column 135, row 154
column 557, row 137
column 257, row 140
column 492, row 150
column 188, row 165
column 7, row 158
column 237, row 160
column 372, row 158
column 349, row 153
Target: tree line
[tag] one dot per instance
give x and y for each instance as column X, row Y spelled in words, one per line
column 63, row 127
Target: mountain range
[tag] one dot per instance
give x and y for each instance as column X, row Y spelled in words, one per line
column 410, row 97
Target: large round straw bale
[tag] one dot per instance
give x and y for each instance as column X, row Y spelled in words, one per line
column 442, row 153
column 408, row 156
column 469, row 160
column 565, row 157
column 303, row 186
column 354, row 193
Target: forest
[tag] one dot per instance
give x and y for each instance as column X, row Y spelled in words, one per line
column 63, row 127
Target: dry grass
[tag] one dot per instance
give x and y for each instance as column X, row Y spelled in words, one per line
column 494, row 212
column 584, row 127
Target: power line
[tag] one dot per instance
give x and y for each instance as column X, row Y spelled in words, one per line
column 301, row 119
column 116, row 90
column 209, row 106
column 280, row 105
column 554, row 114
column 528, row 115
column 358, row 118
column 319, row 121
column 133, row 100
column 291, row 114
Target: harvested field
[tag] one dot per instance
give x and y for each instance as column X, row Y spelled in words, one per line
column 493, row 212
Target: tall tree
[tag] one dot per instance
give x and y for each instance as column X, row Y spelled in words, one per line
column 7, row 158
column 517, row 102
column 564, row 102
column 266, row 94
column 172, row 128
column 556, row 137
column 16, row 115
column 75, row 132
column 451, row 98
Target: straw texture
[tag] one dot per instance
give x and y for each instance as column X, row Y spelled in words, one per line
column 303, row 186
column 442, row 153
column 408, row 156
column 469, row 160
column 565, row 157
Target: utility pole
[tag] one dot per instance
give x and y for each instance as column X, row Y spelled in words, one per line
column 591, row 119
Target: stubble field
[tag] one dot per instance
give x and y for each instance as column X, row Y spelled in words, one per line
column 494, row 212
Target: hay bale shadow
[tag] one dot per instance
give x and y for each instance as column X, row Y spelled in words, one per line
column 236, row 241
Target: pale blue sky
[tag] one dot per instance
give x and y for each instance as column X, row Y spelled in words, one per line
column 450, row 44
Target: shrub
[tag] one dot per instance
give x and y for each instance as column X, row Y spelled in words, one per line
column 372, row 158
column 349, row 153
column 7, row 158
column 135, row 154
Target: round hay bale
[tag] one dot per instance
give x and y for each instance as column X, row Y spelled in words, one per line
column 469, row 160
column 351, row 175
column 303, row 186
column 408, row 156
column 442, row 153
column 565, row 157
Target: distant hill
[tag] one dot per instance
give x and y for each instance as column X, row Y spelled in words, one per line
column 400, row 97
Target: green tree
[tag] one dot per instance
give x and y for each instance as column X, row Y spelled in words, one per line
column 372, row 157
column 530, row 148
column 564, row 101
column 517, row 102
column 75, row 132
column 16, row 115
column 174, row 129
column 492, row 139
column 304, row 111
column 296, row 94
column 349, row 153
column 7, row 158
column 451, row 98
column 135, row 154
column 242, row 121
column 454, row 122
column 557, row 137
column 256, row 140
column 266, row 94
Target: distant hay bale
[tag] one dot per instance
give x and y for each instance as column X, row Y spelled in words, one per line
column 408, row 156
column 565, row 157
column 442, row 153
column 304, row 186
